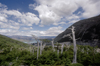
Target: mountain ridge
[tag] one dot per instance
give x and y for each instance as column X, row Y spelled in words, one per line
column 85, row 30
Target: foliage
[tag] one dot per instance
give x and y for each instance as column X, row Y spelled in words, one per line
column 45, row 40
column 20, row 55
column 76, row 64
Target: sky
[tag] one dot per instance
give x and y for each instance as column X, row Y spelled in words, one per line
column 43, row 17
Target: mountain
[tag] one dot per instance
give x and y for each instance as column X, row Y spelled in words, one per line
column 87, row 30
column 29, row 38
column 22, row 38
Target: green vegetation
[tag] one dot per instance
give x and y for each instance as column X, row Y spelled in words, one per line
column 15, row 53
column 45, row 40
column 76, row 64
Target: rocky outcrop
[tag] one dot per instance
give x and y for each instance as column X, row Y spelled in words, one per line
column 86, row 30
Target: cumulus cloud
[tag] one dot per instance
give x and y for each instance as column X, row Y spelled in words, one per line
column 53, row 31
column 47, row 16
column 52, row 11
column 3, row 17
column 27, row 28
column 2, row 7
column 90, row 7
column 26, row 18
column 32, row 6
column 17, row 19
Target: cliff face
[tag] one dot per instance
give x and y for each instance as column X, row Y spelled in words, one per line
column 85, row 30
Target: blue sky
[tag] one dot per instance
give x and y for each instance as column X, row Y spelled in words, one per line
column 43, row 17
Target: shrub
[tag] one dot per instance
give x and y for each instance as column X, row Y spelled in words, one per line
column 76, row 64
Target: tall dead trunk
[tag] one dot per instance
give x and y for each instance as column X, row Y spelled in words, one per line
column 52, row 45
column 41, row 48
column 58, row 53
column 44, row 46
column 74, row 42
column 30, row 49
column 62, row 48
column 33, row 51
column 37, row 49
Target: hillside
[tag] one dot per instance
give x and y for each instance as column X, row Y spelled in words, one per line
column 8, row 42
column 11, row 50
column 86, row 30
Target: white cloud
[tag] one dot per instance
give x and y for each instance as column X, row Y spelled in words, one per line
column 47, row 16
column 53, row 31
column 3, row 19
column 62, row 23
column 41, row 25
column 52, row 11
column 32, row 6
column 2, row 7
column 73, row 18
column 17, row 20
column 27, row 28
column 26, row 18
column 91, row 7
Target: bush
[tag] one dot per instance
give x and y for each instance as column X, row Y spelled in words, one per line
column 76, row 64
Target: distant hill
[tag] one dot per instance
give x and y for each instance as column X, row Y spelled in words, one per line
column 87, row 30
column 8, row 42
column 29, row 38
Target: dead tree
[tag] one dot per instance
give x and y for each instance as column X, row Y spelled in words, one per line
column 74, row 42
column 52, row 44
column 37, row 43
column 33, row 51
column 62, row 48
column 30, row 49
column 41, row 48
column 58, row 53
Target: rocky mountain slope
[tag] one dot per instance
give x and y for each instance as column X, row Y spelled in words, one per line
column 86, row 30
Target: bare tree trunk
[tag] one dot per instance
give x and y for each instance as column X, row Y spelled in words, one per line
column 44, row 46
column 52, row 45
column 33, row 51
column 16, row 58
column 58, row 52
column 37, row 49
column 62, row 48
column 30, row 48
column 75, row 50
column 41, row 48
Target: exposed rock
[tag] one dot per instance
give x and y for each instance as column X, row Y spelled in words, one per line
column 86, row 30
